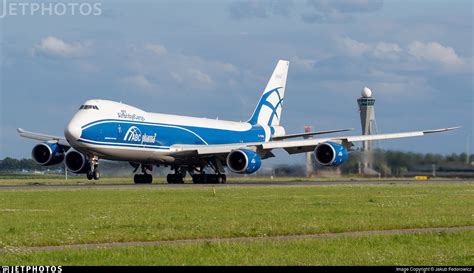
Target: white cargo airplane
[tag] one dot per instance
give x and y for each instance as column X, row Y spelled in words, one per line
column 104, row 129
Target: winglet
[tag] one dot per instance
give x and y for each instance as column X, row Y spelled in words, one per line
column 441, row 130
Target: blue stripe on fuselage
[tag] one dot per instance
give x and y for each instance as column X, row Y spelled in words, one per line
column 111, row 144
column 149, row 135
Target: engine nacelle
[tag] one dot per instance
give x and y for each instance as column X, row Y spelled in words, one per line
column 77, row 162
column 47, row 154
column 243, row 161
column 330, row 154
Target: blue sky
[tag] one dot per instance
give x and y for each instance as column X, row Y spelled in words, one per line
column 212, row 59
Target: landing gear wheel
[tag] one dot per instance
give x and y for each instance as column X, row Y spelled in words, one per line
column 196, row 178
column 96, row 175
column 148, row 178
column 90, row 175
column 137, row 179
column 176, row 178
column 209, row 179
column 221, row 178
column 143, row 178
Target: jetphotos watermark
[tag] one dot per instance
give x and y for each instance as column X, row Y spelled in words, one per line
column 31, row 269
column 49, row 8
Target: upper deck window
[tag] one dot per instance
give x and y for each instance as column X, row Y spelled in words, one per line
column 89, row 107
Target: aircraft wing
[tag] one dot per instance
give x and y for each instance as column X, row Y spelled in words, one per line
column 42, row 137
column 311, row 134
column 293, row 146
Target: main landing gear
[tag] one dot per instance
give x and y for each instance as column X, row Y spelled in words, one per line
column 93, row 173
column 144, row 177
column 177, row 177
column 217, row 178
column 200, row 177
column 204, row 178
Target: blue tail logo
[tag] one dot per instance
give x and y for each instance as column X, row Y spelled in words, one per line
column 264, row 101
column 269, row 107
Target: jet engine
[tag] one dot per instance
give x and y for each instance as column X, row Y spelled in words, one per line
column 243, row 161
column 47, row 154
column 330, row 154
column 77, row 162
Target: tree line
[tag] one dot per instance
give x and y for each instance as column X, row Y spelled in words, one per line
column 388, row 163
column 397, row 163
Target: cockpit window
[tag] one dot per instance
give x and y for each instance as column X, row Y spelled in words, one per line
column 89, row 107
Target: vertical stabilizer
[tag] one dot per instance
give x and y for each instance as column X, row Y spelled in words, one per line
column 268, row 110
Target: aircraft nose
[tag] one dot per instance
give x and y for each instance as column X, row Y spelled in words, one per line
column 72, row 131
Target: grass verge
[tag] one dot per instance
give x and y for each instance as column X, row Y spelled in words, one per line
column 408, row 249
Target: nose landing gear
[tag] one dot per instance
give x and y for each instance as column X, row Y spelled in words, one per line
column 93, row 173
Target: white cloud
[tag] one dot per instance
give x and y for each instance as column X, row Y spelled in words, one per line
column 158, row 49
column 434, row 52
column 416, row 56
column 338, row 11
column 227, row 67
column 57, row 47
column 199, row 76
column 176, row 76
column 139, row 81
column 380, row 50
column 305, row 64
column 352, row 47
column 399, row 85
column 245, row 9
column 389, row 51
column 346, row 6
column 187, row 72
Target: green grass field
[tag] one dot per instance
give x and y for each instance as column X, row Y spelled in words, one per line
column 60, row 217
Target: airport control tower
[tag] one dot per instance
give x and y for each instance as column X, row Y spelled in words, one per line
column 367, row 118
column 310, row 171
